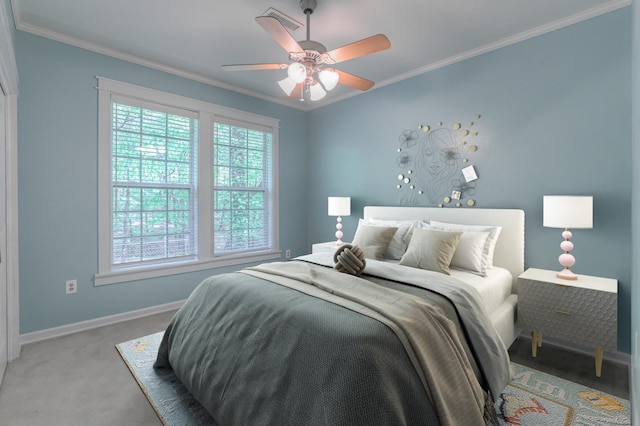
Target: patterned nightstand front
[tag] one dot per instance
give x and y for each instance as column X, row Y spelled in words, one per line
column 583, row 312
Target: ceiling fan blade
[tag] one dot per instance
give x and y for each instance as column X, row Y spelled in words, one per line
column 254, row 67
column 354, row 81
column 356, row 49
column 279, row 33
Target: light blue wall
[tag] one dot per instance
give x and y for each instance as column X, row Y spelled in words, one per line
column 635, row 209
column 57, row 151
column 555, row 120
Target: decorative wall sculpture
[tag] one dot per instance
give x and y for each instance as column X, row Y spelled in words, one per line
column 435, row 167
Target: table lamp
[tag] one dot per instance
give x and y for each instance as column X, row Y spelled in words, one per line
column 339, row 206
column 567, row 211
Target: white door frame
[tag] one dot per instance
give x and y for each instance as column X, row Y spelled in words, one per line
column 11, row 256
column 9, row 82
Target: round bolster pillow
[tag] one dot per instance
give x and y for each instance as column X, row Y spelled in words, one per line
column 349, row 259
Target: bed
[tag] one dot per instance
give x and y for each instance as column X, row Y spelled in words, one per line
column 508, row 255
column 299, row 343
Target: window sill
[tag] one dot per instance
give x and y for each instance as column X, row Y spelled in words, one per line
column 180, row 268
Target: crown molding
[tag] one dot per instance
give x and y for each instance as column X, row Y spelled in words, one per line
column 114, row 53
column 525, row 35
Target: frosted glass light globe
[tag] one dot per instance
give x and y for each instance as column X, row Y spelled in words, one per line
column 297, row 72
column 329, row 79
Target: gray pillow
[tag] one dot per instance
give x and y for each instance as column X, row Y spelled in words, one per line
column 373, row 240
column 431, row 249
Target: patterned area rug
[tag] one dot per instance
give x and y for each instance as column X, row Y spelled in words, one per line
column 536, row 398
column 533, row 398
column 168, row 397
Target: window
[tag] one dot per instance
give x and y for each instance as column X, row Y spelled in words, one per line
column 242, row 181
column 154, row 184
column 183, row 185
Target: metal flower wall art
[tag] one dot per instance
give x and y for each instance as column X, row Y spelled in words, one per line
column 435, row 164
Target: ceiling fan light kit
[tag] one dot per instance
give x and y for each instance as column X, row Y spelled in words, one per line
column 328, row 78
column 306, row 72
column 287, row 85
column 297, row 72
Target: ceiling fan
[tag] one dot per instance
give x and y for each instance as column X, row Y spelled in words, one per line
column 309, row 69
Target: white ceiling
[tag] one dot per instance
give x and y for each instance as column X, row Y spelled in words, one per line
column 193, row 38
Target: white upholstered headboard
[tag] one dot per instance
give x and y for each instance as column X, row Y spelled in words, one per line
column 509, row 252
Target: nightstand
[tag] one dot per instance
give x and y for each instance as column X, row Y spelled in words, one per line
column 583, row 311
column 328, row 247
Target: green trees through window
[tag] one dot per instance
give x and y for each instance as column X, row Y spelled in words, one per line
column 154, row 182
column 242, row 172
column 155, row 186
column 183, row 185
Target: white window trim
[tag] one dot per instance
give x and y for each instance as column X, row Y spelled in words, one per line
column 207, row 114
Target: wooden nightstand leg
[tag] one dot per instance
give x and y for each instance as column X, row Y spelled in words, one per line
column 598, row 362
column 536, row 342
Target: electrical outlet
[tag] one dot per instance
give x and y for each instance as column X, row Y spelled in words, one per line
column 287, row 253
column 71, row 286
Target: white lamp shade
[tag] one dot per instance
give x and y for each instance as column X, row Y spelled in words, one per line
column 316, row 92
column 339, row 206
column 287, row 85
column 567, row 211
column 297, row 72
column 329, row 79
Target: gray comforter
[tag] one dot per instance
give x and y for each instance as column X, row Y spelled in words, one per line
column 298, row 343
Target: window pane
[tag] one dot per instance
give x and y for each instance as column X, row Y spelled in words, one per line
column 178, row 173
column 222, row 200
column 222, row 220
column 222, row 176
column 179, row 199
column 238, row 157
column 126, row 118
column 126, row 170
column 153, row 247
column 126, row 250
column 222, row 154
column 152, row 153
column 254, row 178
column 256, row 159
column 154, row 199
column 238, row 177
column 242, row 193
column 126, row 225
column 127, row 144
column 256, row 202
column 126, row 199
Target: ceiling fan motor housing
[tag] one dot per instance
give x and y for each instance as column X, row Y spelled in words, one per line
column 308, row 6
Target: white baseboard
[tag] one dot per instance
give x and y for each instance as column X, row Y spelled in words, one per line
column 618, row 357
column 632, row 396
column 50, row 333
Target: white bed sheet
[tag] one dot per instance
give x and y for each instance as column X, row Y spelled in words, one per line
column 494, row 289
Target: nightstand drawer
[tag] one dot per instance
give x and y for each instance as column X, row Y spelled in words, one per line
column 579, row 315
column 571, row 326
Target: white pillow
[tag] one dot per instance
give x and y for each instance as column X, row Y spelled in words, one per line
column 373, row 240
column 398, row 245
column 431, row 249
column 487, row 249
